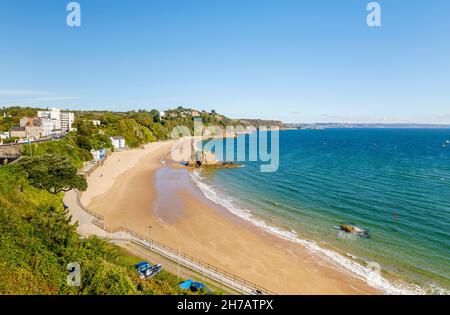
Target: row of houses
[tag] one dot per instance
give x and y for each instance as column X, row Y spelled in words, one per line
column 47, row 123
column 183, row 112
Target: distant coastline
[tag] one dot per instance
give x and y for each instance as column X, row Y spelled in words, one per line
column 365, row 125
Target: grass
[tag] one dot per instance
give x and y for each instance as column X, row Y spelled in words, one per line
column 129, row 260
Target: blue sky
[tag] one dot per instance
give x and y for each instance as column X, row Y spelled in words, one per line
column 293, row 60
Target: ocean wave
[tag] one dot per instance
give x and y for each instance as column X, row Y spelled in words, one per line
column 362, row 272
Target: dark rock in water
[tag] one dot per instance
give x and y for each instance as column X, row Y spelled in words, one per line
column 352, row 229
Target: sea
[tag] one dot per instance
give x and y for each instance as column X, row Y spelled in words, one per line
column 394, row 183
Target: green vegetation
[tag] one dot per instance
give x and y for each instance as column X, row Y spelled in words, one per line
column 140, row 127
column 38, row 241
column 137, row 127
column 164, row 283
column 10, row 116
column 54, row 173
column 66, row 146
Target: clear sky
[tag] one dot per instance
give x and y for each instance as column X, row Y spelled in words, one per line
column 293, row 60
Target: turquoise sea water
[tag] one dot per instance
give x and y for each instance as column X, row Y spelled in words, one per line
column 394, row 182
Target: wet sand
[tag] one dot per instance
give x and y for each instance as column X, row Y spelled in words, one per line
column 137, row 190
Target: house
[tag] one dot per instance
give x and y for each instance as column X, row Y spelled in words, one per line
column 33, row 131
column 98, row 155
column 18, row 132
column 195, row 113
column 118, row 142
column 54, row 115
column 96, row 122
column 61, row 120
column 24, row 121
column 4, row 135
column 33, row 127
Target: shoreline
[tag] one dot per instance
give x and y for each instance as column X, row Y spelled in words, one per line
column 387, row 283
column 143, row 192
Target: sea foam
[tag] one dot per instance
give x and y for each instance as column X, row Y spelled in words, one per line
column 362, row 272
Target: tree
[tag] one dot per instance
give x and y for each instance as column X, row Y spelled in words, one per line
column 156, row 117
column 54, row 173
column 84, row 142
column 85, row 127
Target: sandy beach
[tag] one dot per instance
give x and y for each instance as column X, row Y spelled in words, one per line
column 141, row 188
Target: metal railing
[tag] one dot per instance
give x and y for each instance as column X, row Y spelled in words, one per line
column 92, row 213
column 219, row 275
column 45, row 139
column 5, row 155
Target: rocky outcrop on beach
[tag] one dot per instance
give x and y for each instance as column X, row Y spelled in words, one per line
column 205, row 159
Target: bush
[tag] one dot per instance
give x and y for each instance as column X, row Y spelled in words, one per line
column 38, row 241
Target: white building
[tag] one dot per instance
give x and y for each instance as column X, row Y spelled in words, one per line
column 118, row 142
column 47, row 127
column 4, row 135
column 67, row 120
column 61, row 120
column 96, row 122
column 54, row 115
column 98, row 155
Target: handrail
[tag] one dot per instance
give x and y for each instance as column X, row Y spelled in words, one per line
column 46, row 139
column 220, row 275
column 92, row 213
column 235, row 282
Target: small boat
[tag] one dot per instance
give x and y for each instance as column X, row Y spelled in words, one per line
column 353, row 229
column 142, row 266
column 193, row 286
column 153, row 271
column 145, row 270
